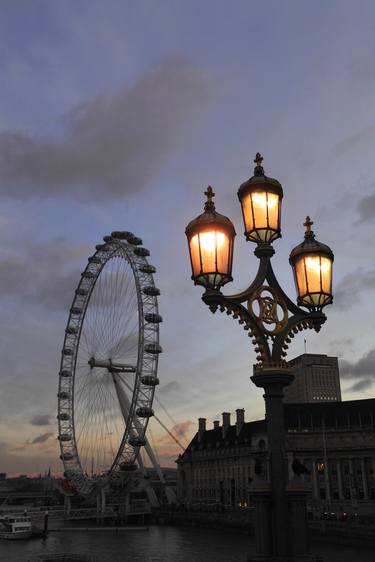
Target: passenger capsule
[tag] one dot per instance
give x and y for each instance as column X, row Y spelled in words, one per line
column 64, row 437
column 81, row 292
column 107, row 238
column 151, row 291
column 144, row 412
column 137, row 441
column 147, row 268
column 66, row 456
column 122, row 234
column 142, row 252
column 149, row 380
column 135, row 241
column 128, row 466
column 153, row 348
column 153, row 318
column 76, row 310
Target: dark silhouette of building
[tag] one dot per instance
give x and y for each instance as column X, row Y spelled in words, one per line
column 333, row 442
column 317, row 379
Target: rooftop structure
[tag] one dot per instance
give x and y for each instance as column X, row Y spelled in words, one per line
column 317, row 379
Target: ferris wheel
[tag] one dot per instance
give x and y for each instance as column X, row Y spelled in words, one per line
column 109, row 361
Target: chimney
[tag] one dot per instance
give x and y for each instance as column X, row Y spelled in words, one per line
column 240, row 420
column 226, row 423
column 216, row 424
column 201, row 428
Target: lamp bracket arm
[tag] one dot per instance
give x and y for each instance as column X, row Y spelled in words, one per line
column 233, row 307
column 261, row 276
column 300, row 321
column 273, row 282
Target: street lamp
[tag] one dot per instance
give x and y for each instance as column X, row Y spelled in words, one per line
column 211, row 238
column 271, row 320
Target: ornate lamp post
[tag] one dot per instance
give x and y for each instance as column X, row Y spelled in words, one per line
column 271, row 320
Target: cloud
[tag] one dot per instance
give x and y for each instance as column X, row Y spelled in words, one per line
column 363, row 369
column 179, row 430
column 42, row 273
column 358, row 139
column 111, row 146
column 366, row 208
column 41, row 419
column 352, row 285
column 361, row 385
column 169, row 387
column 42, row 438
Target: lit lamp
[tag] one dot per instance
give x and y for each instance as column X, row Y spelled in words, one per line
column 260, row 199
column 312, row 267
column 210, row 239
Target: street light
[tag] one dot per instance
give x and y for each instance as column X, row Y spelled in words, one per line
column 271, row 320
column 260, row 199
column 312, row 267
column 211, row 238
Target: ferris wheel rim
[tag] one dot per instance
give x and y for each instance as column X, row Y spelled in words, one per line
column 128, row 247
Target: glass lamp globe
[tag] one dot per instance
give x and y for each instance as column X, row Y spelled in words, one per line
column 260, row 199
column 210, row 239
column 312, row 267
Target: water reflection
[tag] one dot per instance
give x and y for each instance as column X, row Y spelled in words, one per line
column 161, row 544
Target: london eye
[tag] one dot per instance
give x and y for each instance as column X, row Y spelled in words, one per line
column 109, row 362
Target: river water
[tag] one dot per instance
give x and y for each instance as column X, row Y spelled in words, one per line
column 160, row 544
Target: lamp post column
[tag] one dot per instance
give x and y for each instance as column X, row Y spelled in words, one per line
column 273, row 382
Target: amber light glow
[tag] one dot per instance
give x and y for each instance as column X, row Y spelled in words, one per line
column 261, row 216
column 210, row 253
column 314, row 280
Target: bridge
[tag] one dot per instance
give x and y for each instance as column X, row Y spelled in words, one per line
column 69, row 513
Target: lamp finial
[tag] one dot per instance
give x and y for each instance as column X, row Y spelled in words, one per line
column 258, row 170
column 308, row 224
column 209, row 205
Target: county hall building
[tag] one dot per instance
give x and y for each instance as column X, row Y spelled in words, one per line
column 333, row 440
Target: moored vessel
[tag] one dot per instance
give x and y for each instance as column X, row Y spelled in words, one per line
column 15, row 527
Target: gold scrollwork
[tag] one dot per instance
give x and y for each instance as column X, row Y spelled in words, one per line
column 272, row 310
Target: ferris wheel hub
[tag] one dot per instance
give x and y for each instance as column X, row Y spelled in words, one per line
column 110, row 366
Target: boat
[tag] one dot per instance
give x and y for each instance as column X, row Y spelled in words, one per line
column 15, row 527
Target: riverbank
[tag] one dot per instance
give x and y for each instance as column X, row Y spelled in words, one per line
column 242, row 521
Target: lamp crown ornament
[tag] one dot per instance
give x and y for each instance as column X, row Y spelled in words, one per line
column 308, row 224
column 258, row 170
column 209, row 205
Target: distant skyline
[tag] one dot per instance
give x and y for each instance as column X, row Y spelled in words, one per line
column 117, row 116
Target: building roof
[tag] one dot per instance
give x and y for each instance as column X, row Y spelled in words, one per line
column 213, row 438
column 339, row 415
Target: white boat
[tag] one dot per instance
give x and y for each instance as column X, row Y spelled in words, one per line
column 15, row 527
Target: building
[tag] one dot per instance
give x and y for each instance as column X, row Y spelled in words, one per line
column 317, row 379
column 334, row 441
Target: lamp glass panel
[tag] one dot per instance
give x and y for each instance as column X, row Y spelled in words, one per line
column 209, row 252
column 247, row 213
column 301, row 277
column 261, row 213
column 313, row 271
column 195, row 256
column 326, row 265
column 222, row 244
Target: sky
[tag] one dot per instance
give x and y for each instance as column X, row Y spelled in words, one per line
column 117, row 115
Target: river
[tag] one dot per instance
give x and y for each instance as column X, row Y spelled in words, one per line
column 160, row 544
